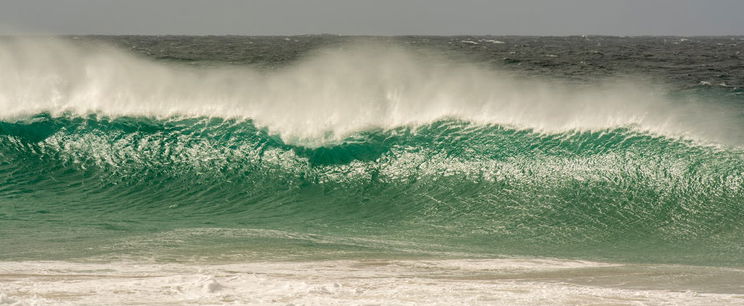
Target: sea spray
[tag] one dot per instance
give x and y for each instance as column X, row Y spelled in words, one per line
column 333, row 93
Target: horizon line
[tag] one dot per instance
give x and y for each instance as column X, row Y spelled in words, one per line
column 375, row 35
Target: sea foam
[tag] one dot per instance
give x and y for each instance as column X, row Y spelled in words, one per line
column 401, row 282
column 334, row 92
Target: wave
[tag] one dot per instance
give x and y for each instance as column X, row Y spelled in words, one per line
column 489, row 187
column 335, row 92
column 364, row 144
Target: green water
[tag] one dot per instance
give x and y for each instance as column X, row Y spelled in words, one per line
column 74, row 187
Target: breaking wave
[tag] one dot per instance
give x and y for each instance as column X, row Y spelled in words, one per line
column 378, row 143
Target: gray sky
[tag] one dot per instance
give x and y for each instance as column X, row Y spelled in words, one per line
column 376, row 17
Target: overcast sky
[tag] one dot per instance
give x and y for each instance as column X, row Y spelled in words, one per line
column 375, row 17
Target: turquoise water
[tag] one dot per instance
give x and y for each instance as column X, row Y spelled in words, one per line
column 76, row 187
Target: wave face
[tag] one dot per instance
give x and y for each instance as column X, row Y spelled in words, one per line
column 483, row 188
column 105, row 153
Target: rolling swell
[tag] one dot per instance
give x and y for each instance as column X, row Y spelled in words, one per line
column 479, row 188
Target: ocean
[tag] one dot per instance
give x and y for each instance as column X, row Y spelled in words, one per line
column 412, row 170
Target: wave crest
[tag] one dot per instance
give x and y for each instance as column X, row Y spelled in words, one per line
column 334, row 93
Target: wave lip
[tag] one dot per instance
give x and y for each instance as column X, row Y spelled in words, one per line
column 335, row 93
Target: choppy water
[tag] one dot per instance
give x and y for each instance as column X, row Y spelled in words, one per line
column 627, row 151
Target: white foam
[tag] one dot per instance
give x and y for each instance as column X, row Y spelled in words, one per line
column 493, row 41
column 383, row 282
column 333, row 93
column 469, row 42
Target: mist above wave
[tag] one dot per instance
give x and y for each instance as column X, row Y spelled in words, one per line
column 336, row 92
